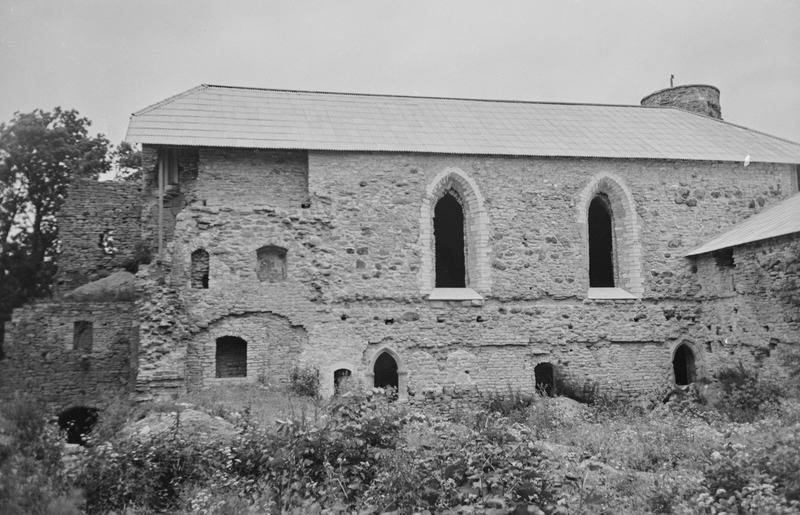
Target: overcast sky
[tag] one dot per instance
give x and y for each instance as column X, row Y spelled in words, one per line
column 109, row 58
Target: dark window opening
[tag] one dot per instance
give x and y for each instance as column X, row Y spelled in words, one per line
column 340, row 379
column 448, row 231
column 385, row 371
column 601, row 244
column 271, row 264
column 723, row 258
column 200, row 269
column 77, row 422
column 82, row 336
column 545, row 378
column 796, row 177
column 231, row 357
column 683, row 364
column 169, row 166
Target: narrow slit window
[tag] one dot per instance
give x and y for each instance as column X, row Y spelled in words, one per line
column 448, row 230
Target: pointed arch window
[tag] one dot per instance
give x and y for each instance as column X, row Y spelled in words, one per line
column 601, row 243
column 455, row 238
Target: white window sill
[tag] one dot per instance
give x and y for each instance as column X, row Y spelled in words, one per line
column 454, row 294
column 609, row 294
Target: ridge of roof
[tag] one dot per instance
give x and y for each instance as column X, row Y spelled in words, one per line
column 424, row 97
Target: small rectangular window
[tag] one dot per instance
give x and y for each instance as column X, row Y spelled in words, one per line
column 82, row 338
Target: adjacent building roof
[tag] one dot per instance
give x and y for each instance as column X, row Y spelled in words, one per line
column 222, row 116
column 779, row 220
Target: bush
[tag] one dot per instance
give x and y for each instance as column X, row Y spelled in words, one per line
column 744, row 396
column 305, row 381
column 32, row 476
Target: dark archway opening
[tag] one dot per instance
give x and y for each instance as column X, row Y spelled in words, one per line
column 385, row 371
column 448, row 231
column 545, row 378
column 683, row 365
column 77, row 422
column 231, row 357
column 200, row 269
column 601, row 244
column 340, row 379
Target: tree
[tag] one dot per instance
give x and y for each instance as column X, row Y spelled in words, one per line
column 40, row 153
column 127, row 160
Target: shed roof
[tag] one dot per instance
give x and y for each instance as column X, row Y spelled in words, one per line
column 781, row 219
column 221, row 116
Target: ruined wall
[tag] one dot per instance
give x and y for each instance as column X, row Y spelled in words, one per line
column 354, row 256
column 42, row 359
column 90, row 209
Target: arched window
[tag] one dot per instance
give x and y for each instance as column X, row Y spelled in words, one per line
column 448, row 230
column 545, row 378
column 385, row 371
column 454, row 234
column 340, row 378
column 200, row 269
column 271, row 264
column 611, row 227
column 683, row 365
column 231, row 357
column 601, row 243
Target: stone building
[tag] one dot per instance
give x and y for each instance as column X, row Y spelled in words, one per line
column 453, row 248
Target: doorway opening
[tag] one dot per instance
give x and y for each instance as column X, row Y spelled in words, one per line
column 684, row 366
column 545, row 378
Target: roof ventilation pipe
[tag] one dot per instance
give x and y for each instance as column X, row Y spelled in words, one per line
column 697, row 98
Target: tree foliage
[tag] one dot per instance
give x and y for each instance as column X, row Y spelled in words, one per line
column 40, row 153
column 127, row 161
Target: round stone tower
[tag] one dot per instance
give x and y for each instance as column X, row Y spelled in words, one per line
column 698, row 98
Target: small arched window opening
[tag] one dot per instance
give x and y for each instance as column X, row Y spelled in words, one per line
column 340, row 379
column 385, row 371
column 684, row 366
column 200, row 269
column 601, row 243
column 77, row 422
column 448, row 230
column 545, row 378
column 271, row 264
column 231, row 357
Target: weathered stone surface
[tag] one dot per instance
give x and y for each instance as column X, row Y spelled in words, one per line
column 189, row 422
column 118, row 286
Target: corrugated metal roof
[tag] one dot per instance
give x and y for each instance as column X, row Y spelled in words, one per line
column 221, row 116
column 779, row 220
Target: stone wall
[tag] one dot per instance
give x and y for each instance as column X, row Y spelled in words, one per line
column 42, row 359
column 355, row 255
column 698, row 98
column 90, row 209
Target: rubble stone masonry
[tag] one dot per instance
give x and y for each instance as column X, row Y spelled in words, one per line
column 350, row 269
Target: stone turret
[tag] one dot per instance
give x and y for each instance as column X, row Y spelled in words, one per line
column 698, row 98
